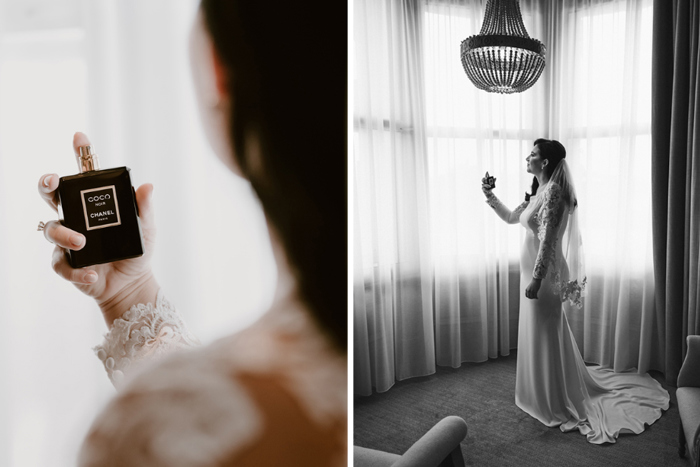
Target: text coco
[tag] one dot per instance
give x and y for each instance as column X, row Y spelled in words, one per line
column 92, row 199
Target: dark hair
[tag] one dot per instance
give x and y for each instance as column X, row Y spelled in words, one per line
column 551, row 150
column 287, row 80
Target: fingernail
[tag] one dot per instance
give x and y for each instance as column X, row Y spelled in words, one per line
column 47, row 180
column 77, row 240
column 91, row 277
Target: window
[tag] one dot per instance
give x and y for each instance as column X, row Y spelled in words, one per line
column 594, row 97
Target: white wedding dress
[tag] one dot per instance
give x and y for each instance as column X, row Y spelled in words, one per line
column 273, row 394
column 553, row 384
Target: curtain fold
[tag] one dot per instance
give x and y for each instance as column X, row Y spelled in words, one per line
column 475, row 256
column 600, row 108
column 393, row 299
column 676, row 173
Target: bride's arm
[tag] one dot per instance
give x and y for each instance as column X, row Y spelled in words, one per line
column 551, row 215
column 511, row 217
column 144, row 332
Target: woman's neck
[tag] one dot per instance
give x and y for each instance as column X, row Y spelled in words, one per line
column 542, row 178
column 286, row 288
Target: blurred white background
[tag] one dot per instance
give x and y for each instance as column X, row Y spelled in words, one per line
column 117, row 70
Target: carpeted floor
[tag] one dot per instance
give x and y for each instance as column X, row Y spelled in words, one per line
column 500, row 434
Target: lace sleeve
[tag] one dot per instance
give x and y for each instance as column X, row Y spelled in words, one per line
column 144, row 332
column 511, row 217
column 550, row 217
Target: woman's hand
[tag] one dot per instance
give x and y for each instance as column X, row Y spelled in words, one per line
column 488, row 183
column 533, row 288
column 114, row 286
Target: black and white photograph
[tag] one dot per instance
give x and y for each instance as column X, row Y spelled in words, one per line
column 526, row 250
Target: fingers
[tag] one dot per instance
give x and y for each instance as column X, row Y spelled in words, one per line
column 48, row 183
column 47, row 186
column 531, row 293
column 144, row 200
column 79, row 139
column 63, row 236
column 62, row 268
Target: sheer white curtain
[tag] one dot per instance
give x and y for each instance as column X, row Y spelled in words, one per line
column 117, row 70
column 594, row 97
column 476, row 257
column 393, row 297
column 603, row 113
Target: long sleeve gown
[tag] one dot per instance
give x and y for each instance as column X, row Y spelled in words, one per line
column 553, row 384
column 273, row 394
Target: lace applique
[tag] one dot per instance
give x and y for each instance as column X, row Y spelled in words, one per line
column 570, row 290
column 185, row 411
column 288, row 342
column 492, row 200
column 203, row 385
column 503, row 212
column 519, row 210
column 143, row 332
column 536, row 218
column 549, row 218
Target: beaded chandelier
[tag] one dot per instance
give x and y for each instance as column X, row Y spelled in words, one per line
column 503, row 58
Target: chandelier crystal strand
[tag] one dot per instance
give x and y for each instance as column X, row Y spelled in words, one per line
column 503, row 58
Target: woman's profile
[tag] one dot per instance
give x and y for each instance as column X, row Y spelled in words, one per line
column 276, row 392
column 553, row 384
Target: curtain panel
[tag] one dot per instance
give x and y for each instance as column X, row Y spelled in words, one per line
column 418, row 197
column 394, row 309
column 676, row 175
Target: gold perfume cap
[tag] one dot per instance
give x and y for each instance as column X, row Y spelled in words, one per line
column 87, row 159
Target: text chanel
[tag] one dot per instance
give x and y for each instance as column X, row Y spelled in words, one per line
column 93, row 215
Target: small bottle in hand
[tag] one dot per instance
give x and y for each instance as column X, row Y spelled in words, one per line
column 488, row 182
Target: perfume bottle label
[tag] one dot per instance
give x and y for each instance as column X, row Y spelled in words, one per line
column 101, row 207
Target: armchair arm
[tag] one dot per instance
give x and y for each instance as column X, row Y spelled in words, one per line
column 437, row 444
column 689, row 376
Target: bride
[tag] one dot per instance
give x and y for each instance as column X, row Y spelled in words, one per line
column 553, row 384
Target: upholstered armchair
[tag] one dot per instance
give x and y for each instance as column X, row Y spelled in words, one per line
column 688, row 395
column 438, row 447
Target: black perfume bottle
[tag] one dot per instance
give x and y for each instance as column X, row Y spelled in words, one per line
column 100, row 204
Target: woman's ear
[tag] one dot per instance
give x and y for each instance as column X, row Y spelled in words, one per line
column 209, row 74
column 220, row 74
column 210, row 80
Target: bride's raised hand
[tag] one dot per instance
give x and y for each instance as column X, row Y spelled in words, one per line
column 114, row 286
column 488, row 183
